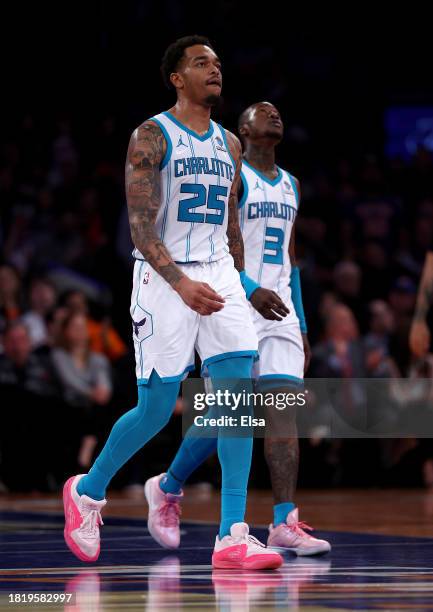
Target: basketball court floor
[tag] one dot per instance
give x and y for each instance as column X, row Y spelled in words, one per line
column 382, row 556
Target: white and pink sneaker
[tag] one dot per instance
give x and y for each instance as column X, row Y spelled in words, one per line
column 82, row 520
column 164, row 513
column 239, row 550
column 291, row 536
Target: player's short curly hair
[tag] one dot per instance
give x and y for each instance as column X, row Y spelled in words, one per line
column 174, row 53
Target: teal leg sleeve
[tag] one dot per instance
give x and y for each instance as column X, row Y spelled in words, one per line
column 156, row 401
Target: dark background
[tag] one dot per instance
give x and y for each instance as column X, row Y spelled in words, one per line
column 77, row 78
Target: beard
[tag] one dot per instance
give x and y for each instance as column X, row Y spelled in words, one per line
column 213, row 101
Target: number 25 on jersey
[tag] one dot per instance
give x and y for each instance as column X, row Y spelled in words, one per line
column 188, row 207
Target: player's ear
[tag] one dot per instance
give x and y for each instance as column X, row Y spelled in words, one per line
column 177, row 80
column 244, row 130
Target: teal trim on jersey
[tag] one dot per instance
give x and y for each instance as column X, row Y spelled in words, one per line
column 244, row 197
column 167, row 155
column 264, row 178
column 223, row 134
column 187, row 129
column 167, row 379
column 184, row 263
column 295, row 189
column 228, row 355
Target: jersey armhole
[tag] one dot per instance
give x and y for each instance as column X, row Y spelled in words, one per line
column 244, row 191
column 295, row 189
column 223, row 134
column 169, row 150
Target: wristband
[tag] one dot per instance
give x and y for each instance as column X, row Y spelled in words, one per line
column 248, row 284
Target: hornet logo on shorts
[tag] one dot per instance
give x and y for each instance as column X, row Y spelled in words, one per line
column 142, row 324
column 138, row 324
column 220, row 144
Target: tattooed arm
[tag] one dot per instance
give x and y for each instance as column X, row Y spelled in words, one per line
column 419, row 338
column 143, row 192
column 234, row 234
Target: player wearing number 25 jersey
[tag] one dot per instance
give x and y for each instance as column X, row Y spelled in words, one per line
column 182, row 175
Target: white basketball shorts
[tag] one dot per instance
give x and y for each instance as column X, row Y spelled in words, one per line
column 281, row 350
column 166, row 331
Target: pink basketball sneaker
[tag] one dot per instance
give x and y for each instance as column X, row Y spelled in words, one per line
column 164, row 513
column 291, row 536
column 239, row 550
column 82, row 520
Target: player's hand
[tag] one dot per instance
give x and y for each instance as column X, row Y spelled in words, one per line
column 419, row 338
column 269, row 304
column 199, row 296
column 307, row 352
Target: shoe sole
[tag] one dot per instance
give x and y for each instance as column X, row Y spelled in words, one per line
column 302, row 552
column 73, row 547
column 149, row 528
column 254, row 564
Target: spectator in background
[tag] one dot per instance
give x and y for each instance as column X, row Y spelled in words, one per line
column 43, row 298
column 10, row 298
column 379, row 364
column 86, row 378
column 340, row 355
column 30, row 391
column 103, row 338
column 347, row 279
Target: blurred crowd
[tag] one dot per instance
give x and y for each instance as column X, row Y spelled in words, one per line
column 66, row 362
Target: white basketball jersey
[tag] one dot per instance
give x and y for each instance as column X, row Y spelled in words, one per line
column 267, row 212
column 196, row 177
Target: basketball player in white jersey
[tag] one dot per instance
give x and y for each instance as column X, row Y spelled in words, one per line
column 182, row 178
column 268, row 204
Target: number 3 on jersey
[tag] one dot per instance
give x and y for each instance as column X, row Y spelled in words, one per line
column 274, row 240
column 201, row 198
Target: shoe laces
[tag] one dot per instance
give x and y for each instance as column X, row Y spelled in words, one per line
column 298, row 528
column 170, row 513
column 89, row 527
column 255, row 542
column 250, row 540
